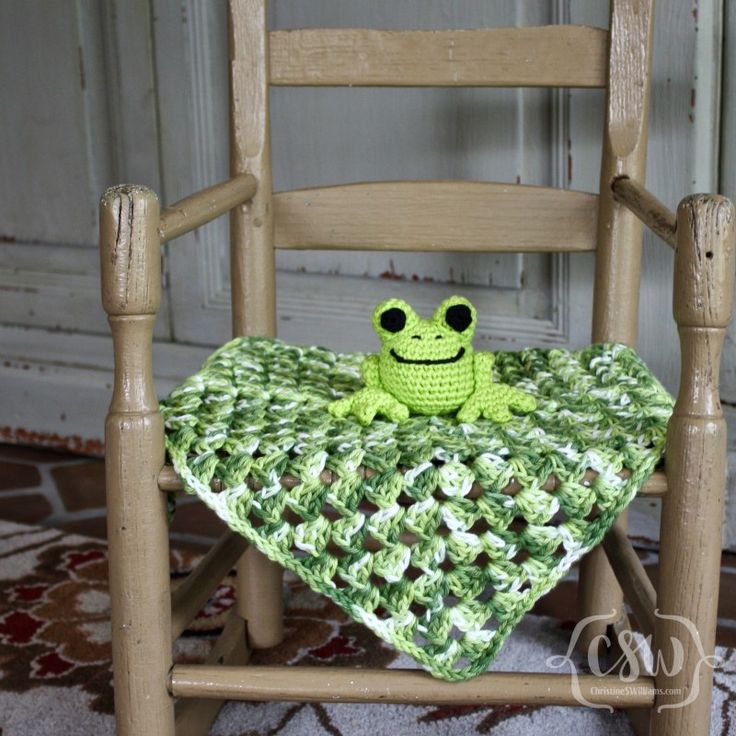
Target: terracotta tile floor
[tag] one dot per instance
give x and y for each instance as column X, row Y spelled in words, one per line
column 65, row 491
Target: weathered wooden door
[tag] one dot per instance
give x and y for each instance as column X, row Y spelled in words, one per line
column 78, row 112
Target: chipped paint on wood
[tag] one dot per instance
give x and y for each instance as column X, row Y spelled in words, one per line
column 705, row 95
column 70, row 443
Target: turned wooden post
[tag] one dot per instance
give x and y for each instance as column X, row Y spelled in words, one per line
column 692, row 509
column 252, row 269
column 137, row 526
column 618, row 258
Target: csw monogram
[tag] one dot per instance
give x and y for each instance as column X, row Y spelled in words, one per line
column 637, row 653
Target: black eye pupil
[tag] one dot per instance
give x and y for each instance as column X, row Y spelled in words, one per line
column 393, row 320
column 459, row 317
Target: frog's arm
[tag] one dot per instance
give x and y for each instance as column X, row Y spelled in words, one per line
column 483, row 369
column 492, row 400
column 369, row 370
column 371, row 400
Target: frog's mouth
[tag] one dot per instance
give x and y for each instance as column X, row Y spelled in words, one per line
column 426, row 361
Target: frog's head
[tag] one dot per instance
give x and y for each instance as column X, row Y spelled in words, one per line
column 409, row 339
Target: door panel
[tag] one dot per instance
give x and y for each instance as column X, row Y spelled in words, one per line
column 57, row 123
column 74, row 127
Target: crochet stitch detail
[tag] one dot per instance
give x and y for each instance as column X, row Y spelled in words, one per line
column 430, row 547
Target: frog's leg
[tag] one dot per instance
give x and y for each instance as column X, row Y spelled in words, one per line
column 472, row 408
column 521, row 400
column 371, row 400
column 341, row 407
column 493, row 401
column 477, row 403
column 512, row 397
column 497, row 404
column 369, row 370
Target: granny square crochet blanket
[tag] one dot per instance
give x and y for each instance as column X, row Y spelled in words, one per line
column 437, row 535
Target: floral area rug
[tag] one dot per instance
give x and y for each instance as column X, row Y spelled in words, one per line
column 55, row 676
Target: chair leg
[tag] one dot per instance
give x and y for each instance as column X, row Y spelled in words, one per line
column 690, row 551
column 692, row 509
column 620, row 662
column 252, row 269
column 598, row 594
column 195, row 716
column 137, row 523
column 139, row 576
column 260, row 599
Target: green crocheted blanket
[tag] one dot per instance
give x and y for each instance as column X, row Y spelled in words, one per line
column 437, row 535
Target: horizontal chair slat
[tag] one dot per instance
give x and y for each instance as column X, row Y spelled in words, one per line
column 436, row 216
column 350, row 685
column 168, row 481
column 204, row 206
column 546, row 56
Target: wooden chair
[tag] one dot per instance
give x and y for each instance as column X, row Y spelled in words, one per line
column 416, row 216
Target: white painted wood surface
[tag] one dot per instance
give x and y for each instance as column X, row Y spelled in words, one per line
column 727, row 186
column 57, row 114
column 78, row 114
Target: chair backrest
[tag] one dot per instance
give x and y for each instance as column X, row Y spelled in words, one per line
column 440, row 215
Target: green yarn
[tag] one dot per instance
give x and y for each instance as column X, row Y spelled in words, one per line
column 449, row 597
column 428, row 367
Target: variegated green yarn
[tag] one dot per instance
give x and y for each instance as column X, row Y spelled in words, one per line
column 403, row 548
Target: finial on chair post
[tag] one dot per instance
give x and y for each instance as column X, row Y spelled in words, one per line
column 130, row 250
column 130, row 263
column 703, row 296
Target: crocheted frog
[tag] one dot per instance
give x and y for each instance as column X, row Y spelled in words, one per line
column 429, row 367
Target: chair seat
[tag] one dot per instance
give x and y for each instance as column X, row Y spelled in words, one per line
column 428, row 549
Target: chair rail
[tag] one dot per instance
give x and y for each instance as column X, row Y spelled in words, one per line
column 696, row 451
column 169, row 481
column 642, row 203
column 350, row 685
column 204, row 206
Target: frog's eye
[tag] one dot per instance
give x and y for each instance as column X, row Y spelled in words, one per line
column 459, row 317
column 458, row 314
column 393, row 319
